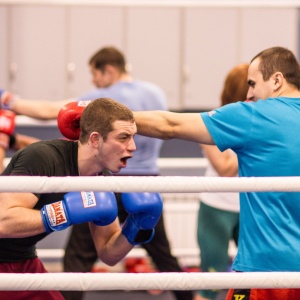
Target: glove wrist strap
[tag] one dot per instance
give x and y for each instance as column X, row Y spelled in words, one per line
column 44, row 219
column 136, row 235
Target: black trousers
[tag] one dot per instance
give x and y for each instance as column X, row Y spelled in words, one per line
column 80, row 253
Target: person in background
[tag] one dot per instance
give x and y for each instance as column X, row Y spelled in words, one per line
column 111, row 79
column 104, row 145
column 218, row 215
column 264, row 133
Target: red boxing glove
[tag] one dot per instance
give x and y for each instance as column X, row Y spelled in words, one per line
column 68, row 119
column 7, row 121
column 7, row 126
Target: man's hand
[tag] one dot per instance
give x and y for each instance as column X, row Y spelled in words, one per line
column 144, row 211
column 80, row 207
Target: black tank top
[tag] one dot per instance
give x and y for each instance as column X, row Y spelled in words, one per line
column 45, row 158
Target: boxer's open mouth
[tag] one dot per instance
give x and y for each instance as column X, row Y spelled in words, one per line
column 124, row 159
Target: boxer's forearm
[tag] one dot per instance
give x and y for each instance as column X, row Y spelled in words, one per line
column 153, row 124
column 168, row 125
column 111, row 245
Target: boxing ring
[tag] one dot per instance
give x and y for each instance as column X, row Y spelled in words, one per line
column 148, row 281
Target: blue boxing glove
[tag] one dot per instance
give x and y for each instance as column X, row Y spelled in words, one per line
column 80, row 207
column 144, row 211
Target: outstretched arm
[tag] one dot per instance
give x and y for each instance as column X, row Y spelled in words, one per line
column 38, row 109
column 168, row 125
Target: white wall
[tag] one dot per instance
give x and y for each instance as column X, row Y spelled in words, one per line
column 187, row 48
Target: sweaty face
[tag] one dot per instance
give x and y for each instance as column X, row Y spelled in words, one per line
column 258, row 88
column 119, row 146
column 100, row 79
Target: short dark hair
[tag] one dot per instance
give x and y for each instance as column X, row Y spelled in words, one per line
column 279, row 59
column 108, row 56
column 99, row 116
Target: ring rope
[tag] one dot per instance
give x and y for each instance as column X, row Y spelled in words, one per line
column 163, row 184
column 148, row 281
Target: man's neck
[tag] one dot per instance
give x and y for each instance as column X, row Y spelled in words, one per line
column 289, row 92
column 124, row 77
column 86, row 164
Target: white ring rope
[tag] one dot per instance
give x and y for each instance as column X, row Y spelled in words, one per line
column 165, row 3
column 163, row 184
column 147, row 281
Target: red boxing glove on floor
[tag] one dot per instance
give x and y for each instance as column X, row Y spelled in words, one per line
column 68, row 119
